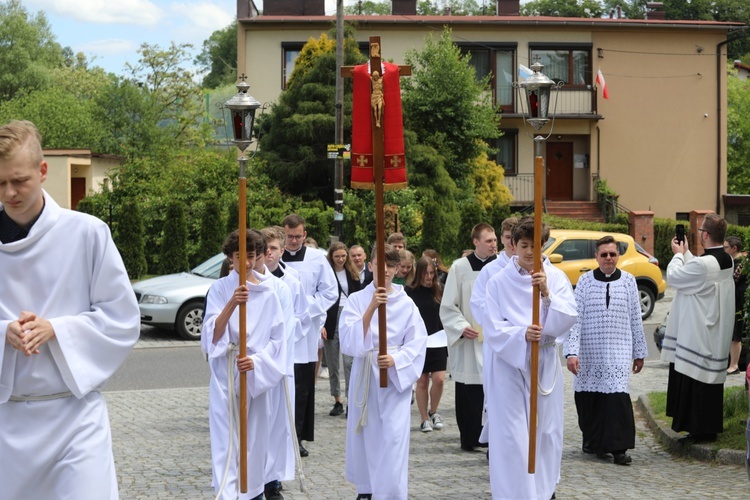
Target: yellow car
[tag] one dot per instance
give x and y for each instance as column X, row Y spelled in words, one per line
column 573, row 252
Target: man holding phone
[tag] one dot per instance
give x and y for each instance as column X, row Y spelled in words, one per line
column 699, row 330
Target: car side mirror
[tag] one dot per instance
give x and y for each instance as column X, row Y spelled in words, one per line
column 555, row 258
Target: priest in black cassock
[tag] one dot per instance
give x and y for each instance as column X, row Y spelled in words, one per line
column 604, row 345
column 699, row 331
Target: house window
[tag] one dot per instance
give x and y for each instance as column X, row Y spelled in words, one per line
column 497, row 62
column 506, row 146
column 289, row 51
column 570, row 64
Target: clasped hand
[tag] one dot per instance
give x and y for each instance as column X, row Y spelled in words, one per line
column 28, row 333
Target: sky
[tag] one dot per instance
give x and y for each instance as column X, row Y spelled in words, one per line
column 109, row 32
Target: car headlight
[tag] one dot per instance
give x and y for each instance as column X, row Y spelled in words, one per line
column 153, row 299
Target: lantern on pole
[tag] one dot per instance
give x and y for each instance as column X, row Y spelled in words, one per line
column 536, row 94
column 242, row 108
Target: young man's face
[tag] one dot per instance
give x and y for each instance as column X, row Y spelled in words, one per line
column 21, row 186
column 486, row 244
column 390, row 272
column 507, row 240
column 295, row 237
column 273, row 254
column 607, row 257
column 525, row 253
column 260, row 263
column 398, row 245
column 249, row 262
column 358, row 256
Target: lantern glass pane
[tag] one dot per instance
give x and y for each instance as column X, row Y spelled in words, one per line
column 237, row 125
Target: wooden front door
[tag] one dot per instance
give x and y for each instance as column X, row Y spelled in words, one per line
column 77, row 191
column 559, row 170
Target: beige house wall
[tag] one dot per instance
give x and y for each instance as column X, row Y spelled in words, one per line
column 656, row 141
column 658, row 137
column 64, row 165
column 58, row 180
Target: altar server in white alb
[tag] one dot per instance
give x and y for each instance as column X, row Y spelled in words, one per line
column 322, row 290
column 465, row 337
column 264, row 364
column 68, row 319
column 508, row 334
column 604, row 345
column 280, row 457
column 377, row 429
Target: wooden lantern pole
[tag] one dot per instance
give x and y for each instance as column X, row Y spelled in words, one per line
column 242, row 204
column 534, row 383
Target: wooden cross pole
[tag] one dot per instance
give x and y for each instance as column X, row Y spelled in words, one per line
column 378, row 155
column 534, row 382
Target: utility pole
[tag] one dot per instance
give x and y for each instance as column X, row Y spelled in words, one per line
column 338, row 177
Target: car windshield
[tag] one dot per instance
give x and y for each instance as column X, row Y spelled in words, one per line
column 549, row 243
column 211, row 268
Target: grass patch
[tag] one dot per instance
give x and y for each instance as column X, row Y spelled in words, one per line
column 735, row 417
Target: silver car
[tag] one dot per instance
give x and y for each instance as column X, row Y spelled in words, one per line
column 176, row 301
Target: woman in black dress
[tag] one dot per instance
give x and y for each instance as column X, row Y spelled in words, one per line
column 426, row 292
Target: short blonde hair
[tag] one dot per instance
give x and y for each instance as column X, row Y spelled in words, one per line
column 21, row 134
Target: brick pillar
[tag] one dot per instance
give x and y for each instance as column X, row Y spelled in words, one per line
column 696, row 221
column 641, row 224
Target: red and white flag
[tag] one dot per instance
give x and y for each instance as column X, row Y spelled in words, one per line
column 600, row 81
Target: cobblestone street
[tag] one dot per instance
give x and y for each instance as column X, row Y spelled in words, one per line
column 162, row 451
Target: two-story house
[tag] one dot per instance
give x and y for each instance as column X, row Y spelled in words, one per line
column 659, row 141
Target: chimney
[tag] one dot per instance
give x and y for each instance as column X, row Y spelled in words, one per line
column 508, row 7
column 294, row 8
column 655, row 10
column 404, row 7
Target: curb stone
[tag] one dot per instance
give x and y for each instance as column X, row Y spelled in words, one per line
column 670, row 440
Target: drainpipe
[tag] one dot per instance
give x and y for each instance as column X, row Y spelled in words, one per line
column 719, row 68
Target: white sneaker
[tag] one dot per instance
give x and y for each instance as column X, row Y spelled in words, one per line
column 425, row 427
column 437, row 422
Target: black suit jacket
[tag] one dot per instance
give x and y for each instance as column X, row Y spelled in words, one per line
column 333, row 312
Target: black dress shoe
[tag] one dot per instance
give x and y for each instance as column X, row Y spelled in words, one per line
column 338, row 409
column 587, row 450
column 364, row 496
column 622, row 458
column 302, row 451
column 272, row 492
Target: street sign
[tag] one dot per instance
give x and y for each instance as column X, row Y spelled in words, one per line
column 336, row 151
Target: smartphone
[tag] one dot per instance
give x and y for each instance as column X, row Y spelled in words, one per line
column 680, row 233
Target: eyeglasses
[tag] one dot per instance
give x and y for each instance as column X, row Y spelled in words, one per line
column 608, row 254
column 295, row 236
column 702, row 230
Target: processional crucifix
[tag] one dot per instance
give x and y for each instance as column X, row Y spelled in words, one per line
column 382, row 113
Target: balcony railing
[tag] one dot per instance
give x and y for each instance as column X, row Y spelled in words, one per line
column 521, row 187
column 569, row 102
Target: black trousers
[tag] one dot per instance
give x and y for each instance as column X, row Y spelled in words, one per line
column 606, row 421
column 469, row 406
column 694, row 406
column 304, row 400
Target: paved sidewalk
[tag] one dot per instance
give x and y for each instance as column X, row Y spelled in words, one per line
column 162, row 451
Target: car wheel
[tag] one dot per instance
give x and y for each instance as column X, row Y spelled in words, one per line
column 190, row 320
column 647, row 299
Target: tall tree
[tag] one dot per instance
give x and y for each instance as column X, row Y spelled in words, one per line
column 296, row 131
column 738, row 134
column 562, row 8
column 28, row 50
column 446, row 106
column 177, row 100
column 219, row 57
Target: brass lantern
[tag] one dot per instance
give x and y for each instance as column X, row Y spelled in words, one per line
column 242, row 109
